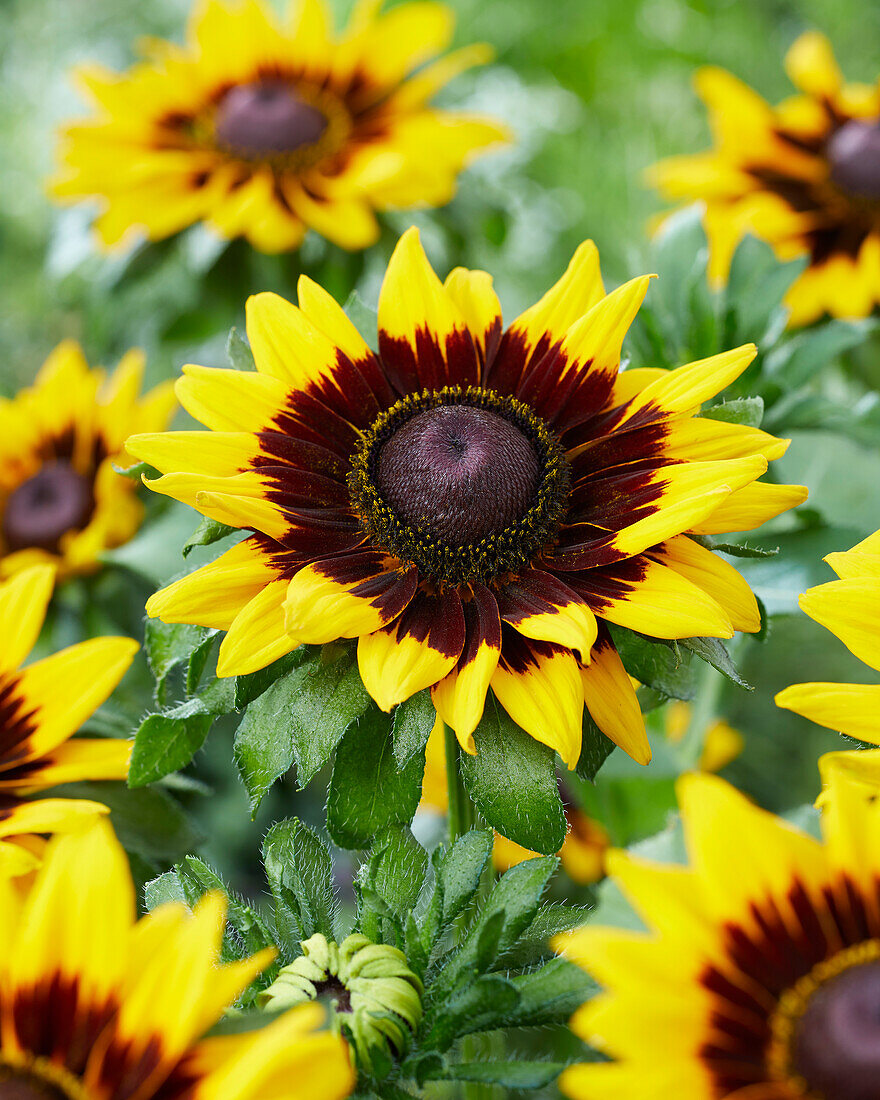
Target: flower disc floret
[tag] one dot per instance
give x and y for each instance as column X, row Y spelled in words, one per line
column 456, row 517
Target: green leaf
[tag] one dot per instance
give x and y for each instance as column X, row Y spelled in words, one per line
column 756, row 286
column 457, row 873
column 550, row 994
column 512, row 782
column 364, row 318
column 300, row 875
column 411, row 726
column 396, row 869
column 163, row 889
column 658, row 665
column 208, row 531
column 299, row 719
column 331, row 697
column 251, row 686
column 534, row 943
column 367, row 793
column 481, row 1005
column 238, row 351
column 741, row 410
column 596, row 747
column 508, row 1075
column 508, row 911
column 715, row 652
column 167, row 742
column 169, row 646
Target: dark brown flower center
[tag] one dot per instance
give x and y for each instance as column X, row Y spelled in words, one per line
column 836, row 1046
column 458, row 473
column 332, row 989
column 267, row 118
column 46, row 506
column 462, row 482
column 854, row 155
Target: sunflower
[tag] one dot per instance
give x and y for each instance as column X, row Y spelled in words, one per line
column 849, row 608
column 97, row 1006
column 804, row 176
column 473, row 506
column 61, row 501
column 264, row 129
column 41, row 707
column 582, row 853
column 759, row 976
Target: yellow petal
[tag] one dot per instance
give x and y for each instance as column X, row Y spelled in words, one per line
column 23, row 602
column 848, row 708
column 849, row 610
column 611, row 700
column 542, row 693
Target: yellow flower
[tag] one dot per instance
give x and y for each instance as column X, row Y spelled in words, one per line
column 472, row 505
column 98, row 1006
column 41, row 708
column 759, row 975
column 582, row 853
column 61, row 501
column 265, row 128
column 804, row 176
column 849, row 608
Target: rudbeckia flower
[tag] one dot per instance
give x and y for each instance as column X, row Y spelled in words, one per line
column 41, row 708
column 265, row 128
column 803, row 176
column 758, row 977
column 97, row 1006
column 849, row 608
column 473, row 505
column 61, row 501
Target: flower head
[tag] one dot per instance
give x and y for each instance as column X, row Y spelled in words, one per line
column 263, row 127
column 61, row 501
column 473, row 505
column 375, row 997
column 99, row 1006
column 850, row 608
column 41, row 708
column 759, row 975
column 804, row 176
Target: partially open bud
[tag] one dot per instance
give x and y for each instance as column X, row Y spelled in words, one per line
column 373, row 995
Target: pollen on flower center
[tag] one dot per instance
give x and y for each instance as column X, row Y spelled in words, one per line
column 267, row 118
column 40, row 510
column 459, row 473
column 461, row 482
column 854, row 156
